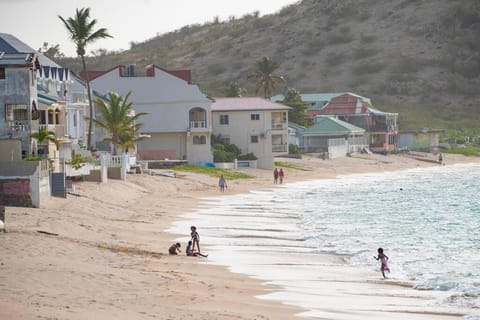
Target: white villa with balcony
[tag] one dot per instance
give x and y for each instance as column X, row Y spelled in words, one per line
column 37, row 95
column 254, row 125
column 178, row 120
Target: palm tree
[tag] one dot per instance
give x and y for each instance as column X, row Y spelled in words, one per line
column 266, row 79
column 44, row 136
column 116, row 117
column 82, row 33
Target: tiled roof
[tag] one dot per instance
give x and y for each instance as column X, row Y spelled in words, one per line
column 245, row 104
column 331, row 126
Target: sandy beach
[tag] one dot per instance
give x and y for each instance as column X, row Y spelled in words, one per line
column 103, row 253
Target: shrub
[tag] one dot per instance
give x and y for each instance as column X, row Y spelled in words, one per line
column 248, row 156
column 292, row 149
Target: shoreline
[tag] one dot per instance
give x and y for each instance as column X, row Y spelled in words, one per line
column 110, row 259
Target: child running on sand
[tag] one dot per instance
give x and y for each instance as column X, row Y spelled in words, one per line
column 191, row 253
column 383, row 258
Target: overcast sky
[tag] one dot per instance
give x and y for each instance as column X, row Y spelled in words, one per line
column 36, row 21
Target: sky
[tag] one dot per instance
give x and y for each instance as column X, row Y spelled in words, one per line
column 36, row 21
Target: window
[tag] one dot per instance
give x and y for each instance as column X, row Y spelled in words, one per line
column 16, row 112
column 255, row 116
column 199, row 140
column 225, row 140
column 253, row 139
column 2, row 73
column 224, row 119
column 284, row 116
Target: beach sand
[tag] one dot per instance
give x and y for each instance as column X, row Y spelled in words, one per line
column 103, row 254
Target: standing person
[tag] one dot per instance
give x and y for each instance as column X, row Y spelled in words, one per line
column 383, row 258
column 275, row 176
column 280, row 175
column 222, row 183
column 195, row 238
column 440, row 158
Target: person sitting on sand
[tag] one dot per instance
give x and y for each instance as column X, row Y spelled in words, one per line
column 383, row 258
column 189, row 251
column 174, row 248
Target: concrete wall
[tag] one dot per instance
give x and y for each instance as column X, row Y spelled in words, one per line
column 10, row 150
column 24, row 183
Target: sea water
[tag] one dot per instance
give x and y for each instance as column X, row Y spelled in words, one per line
column 426, row 219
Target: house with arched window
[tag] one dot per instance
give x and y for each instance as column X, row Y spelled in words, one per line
column 178, row 120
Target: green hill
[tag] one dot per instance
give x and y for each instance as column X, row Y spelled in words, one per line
column 420, row 58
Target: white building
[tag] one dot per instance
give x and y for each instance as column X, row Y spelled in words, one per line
column 254, row 125
column 179, row 113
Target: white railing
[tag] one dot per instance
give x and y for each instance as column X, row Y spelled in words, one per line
column 18, row 125
column 279, row 147
column 198, row 124
column 279, row 125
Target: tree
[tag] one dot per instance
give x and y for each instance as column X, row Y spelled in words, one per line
column 52, row 51
column 44, row 136
column 266, row 79
column 81, row 29
column 299, row 107
column 233, row 89
column 116, row 118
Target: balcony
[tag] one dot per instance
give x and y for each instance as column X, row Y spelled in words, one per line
column 198, row 125
column 18, row 126
column 58, row 129
column 279, row 125
column 279, row 148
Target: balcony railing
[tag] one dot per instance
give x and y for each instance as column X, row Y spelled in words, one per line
column 279, row 148
column 279, row 125
column 58, row 129
column 198, row 124
column 18, row 125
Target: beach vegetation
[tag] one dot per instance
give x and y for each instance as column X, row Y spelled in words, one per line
column 82, row 32
column 213, row 172
column 468, row 151
column 299, row 107
column 117, row 119
column 290, row 165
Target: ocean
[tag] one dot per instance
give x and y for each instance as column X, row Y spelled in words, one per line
column 427, row 220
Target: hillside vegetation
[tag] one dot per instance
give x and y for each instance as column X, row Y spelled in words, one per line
column 420, row 58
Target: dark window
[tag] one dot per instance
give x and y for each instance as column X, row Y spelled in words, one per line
column 2, row 73
column 254, row 139
column 255, row 116
column 225, row 140
column 224, row 119
column 199, row 140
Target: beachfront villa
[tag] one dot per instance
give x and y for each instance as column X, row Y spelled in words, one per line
column 178, row 120
column 333, row 137
column 36, row 94
column 381, row 128
column 253, row 124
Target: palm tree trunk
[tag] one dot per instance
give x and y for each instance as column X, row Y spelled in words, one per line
column 90, row 104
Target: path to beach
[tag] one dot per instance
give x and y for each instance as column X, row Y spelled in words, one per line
column 103, row 254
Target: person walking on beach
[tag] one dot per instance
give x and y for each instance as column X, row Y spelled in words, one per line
column 383, row 259
column 189, row 251
column 281, row 175
column 222, row 183
column 275, row 176
column 174, row 248
column 195, row 238
column 440, row 159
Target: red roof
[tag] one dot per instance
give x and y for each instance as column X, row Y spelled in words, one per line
column 344, row 104
column 243, row 104
column 182, row 74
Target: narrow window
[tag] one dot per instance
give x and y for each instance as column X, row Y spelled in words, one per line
column 2, row 73
column 255, row 116
column 224, row 119
column 253, row 139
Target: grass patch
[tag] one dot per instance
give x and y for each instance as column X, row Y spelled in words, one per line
column 213, row 172
column 289, row 165
column 467, row 151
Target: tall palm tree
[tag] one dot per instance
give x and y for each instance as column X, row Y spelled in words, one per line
column 266, row 79
column 116, row 117
column 81, row 29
